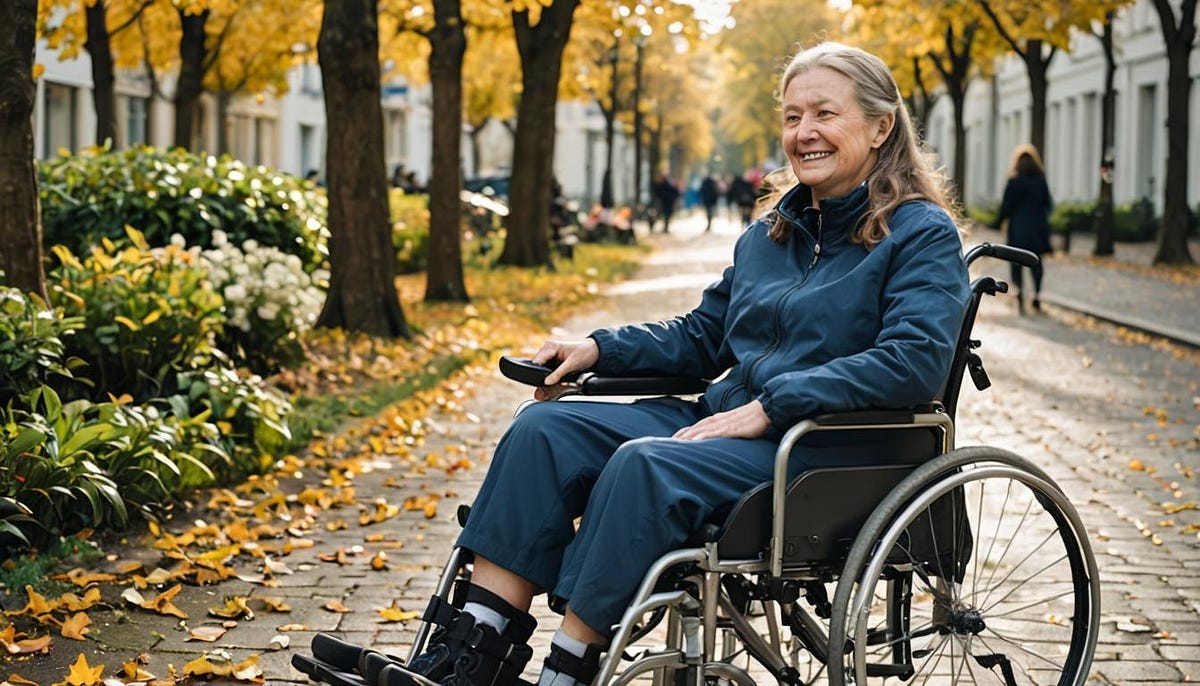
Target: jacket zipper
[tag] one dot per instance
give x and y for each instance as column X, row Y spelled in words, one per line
column 748, row 371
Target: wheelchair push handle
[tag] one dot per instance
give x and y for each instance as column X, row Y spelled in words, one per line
column 1002, row 252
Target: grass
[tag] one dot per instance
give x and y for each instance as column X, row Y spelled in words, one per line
column 34, row 568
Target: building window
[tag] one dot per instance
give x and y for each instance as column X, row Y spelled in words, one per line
column 135, row 120
column 58, row 129
column 309, row 151
column 1147, row 133
column 264, row 141
column 397, row 150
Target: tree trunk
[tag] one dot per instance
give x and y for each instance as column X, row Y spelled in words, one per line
column 541, row 50
column 20, row 227
column 103, row 96
column 362, row 288
column 444, row 269
column 223, row 100
column 1103, row 223
column 1172, row 234
column 1035, row 68
column 954, row 76
column 610, row 130
column 192, row 50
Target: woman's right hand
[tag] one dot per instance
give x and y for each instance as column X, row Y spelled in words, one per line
column 571, row 356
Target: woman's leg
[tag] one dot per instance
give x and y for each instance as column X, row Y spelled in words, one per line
column 650, row 498
column 540, row 479
column 1016, row 272
column 1038, row 271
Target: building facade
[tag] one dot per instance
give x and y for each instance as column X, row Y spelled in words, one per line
column 997, row 118
column 287, row 131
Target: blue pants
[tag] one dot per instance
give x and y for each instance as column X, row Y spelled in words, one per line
column 640, row 493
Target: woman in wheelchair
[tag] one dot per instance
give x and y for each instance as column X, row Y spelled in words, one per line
column 847, row 294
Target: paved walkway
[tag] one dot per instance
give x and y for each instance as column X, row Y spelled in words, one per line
column 1113, row 421
column 1123, row 289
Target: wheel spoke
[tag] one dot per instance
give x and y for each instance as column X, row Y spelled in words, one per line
column 1042, row 601
column 1019, row 647
column 1026, row 580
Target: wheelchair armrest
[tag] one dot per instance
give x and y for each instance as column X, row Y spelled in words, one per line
column 874, row 416
column 667, row 385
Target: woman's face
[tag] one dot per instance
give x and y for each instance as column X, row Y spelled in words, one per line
column 830, row 143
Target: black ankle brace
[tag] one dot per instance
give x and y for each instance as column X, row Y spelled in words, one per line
column 581, row 669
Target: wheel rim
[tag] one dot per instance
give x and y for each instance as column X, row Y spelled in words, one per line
column 1025, row 600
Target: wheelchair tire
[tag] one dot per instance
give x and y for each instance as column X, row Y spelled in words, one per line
column 975, row 567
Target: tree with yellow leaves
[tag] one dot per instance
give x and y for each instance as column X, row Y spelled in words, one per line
column 952, row 36
column 542, row 31
column 764, row 34
column 362, row 291
column 91, row 24
column 1036, row 32
column 489, row 73
column 20, row 225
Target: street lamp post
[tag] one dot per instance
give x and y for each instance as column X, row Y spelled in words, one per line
column 639, row 42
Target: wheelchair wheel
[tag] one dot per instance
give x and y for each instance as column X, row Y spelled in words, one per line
column 975, row 568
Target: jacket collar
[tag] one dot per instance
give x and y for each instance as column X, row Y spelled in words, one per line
column 838, row 215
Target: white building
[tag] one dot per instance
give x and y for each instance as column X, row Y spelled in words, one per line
column 288, row 132
column 997, row 118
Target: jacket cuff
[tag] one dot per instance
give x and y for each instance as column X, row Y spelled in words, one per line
column 609, row 359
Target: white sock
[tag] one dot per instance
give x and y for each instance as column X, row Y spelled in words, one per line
column 486, row 615
column 574, row 646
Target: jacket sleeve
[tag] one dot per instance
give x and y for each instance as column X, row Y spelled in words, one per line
column 922, row 304
column 688, row 345
column 1006, row 205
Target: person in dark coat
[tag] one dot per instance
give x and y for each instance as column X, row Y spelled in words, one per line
column 1026, row 207
column 710, row 192
column 847, row 294
column 666, row 194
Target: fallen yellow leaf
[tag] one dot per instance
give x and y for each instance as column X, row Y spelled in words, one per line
column 336, row 606
column 76, row 626
column 83, row 674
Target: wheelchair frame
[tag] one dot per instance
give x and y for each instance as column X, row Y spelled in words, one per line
column 686, row 586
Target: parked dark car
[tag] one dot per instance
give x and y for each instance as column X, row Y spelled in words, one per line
column 498, row 184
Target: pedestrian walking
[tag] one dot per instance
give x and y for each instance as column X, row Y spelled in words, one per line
column 1025, row 208
column 710, row 192
column 743, row 195
column 666, row 194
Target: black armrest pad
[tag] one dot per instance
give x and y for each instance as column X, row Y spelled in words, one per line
column 904, row 416
column 668, row 385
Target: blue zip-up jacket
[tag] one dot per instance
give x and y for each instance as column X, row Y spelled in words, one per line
column 815, row 324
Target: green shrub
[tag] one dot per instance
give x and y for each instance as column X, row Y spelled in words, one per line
column 983, row 214
column 1071, row 217
column 48, row 466
column 410, row 230
column 147, row 313
column 97, row 193
column 251, row 417
column 70, row 466
column 31, row 344
column 1134, row 222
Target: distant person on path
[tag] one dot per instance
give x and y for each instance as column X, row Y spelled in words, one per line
column 1026, row 208
column 710, row 192
column 743, row 194
column 666, row 194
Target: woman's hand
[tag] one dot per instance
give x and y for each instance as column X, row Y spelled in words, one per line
column 747, row 421
column 571, row 356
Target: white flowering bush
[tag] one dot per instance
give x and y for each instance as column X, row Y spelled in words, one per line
column 269, row 300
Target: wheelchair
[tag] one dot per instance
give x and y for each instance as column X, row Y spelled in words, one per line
column 934, row 564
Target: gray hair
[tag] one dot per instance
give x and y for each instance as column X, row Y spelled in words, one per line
column 903, row 171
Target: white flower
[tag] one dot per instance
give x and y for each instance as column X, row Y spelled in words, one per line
column 219, row 238
column 234, row 293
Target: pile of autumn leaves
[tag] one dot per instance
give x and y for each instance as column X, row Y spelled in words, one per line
column 256, row 525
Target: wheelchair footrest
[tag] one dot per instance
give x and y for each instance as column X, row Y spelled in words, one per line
column 325, row 672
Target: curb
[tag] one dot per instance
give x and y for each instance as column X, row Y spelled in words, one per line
column 1170, row 333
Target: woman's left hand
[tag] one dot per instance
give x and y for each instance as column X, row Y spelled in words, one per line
column 747, row 421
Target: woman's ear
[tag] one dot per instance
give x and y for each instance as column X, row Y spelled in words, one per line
column 886, row 122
